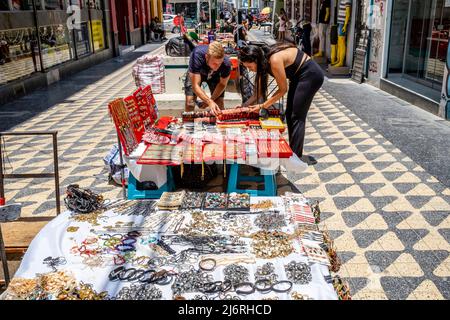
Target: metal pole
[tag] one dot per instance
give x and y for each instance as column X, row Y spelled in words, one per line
column 3, row 257
column 38, row 35
column 56, row 172
column 122, row 171
column 2, row 188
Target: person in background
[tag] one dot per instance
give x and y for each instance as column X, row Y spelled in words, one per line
column 250, row 20
column 282, row 27
column 207, row 64
column 285, row 61
column 155, row 27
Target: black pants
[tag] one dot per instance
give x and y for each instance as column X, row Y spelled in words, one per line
column 300, row 97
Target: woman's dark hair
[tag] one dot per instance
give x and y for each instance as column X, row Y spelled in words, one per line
column 261, row 56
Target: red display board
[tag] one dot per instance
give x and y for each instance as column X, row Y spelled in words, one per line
column 124, row 125
column 147, row 105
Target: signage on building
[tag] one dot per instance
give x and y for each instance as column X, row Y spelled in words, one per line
column 97, row 34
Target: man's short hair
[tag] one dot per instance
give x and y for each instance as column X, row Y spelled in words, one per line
column 216, row 50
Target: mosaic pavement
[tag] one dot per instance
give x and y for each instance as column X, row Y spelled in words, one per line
column 389, row 218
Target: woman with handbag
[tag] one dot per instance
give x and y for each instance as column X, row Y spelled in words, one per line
column 283, row 62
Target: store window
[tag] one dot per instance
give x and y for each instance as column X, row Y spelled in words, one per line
column 54, row 5
column 55, row 45
column 82, row 43
column 4, row 5
column 418, row 44
column 19, row 54
column 21, row 4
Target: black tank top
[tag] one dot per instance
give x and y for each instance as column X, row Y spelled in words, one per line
column 292, row 69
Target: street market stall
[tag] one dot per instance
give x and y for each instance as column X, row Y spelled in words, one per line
column 183, row 246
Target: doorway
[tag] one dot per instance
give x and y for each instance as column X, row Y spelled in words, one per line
column 122, row 21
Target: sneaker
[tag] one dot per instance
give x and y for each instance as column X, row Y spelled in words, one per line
column 309, row 160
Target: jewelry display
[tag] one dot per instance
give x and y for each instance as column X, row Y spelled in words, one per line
column 298, row 272
column 54, row 262
column 215, row 201
column 262, row 205
column 270, row 221
column 139, row 292
column 171, row 200
column 237, row 274
column 160, row 254
column 190, row 281
column 271, row 244
column 266, row 273
column 238, row 201
column 193, row 200
column 298, row 296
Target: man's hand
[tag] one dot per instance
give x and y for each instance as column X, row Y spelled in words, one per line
column 215, row 108
column 255, row 108
column 203, row 105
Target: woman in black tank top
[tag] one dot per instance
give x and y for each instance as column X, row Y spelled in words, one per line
column 305, row 79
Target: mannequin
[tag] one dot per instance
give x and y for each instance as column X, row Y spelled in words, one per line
column 344, row 14
column 324, row 19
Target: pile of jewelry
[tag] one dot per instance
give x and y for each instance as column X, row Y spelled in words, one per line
column 171, row 200
column 190, row 281
column 201, row 224
column 266, row 272
column 215, row 201
column 270, row 221
column 238, row 201
column 139, row 292
column 262, row 205
column 193, row 200
column 237, row 274
column 271, row 244
column 298, row 272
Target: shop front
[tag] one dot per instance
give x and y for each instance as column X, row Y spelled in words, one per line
column 40, row 36
column 416, row 49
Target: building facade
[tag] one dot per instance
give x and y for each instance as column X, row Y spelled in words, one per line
column 405, row 44
column 37, row 37
column 42, row 41
column 131, row 19
column 408, row 50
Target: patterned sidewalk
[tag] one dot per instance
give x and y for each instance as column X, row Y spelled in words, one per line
column 388, row 216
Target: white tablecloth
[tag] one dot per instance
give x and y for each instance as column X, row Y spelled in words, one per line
column 55, row 241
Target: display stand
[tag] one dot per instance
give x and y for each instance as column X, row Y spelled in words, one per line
column 269, row 179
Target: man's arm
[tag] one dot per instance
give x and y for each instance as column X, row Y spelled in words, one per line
column 196, row 79
column 220, row 88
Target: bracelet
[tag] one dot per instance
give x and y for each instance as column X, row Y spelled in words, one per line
column 280, row 283
column 263, row 285
column 206, row 261
column 113, row 275
column 245, row 284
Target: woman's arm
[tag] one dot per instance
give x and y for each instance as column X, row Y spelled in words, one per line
column 279, row 73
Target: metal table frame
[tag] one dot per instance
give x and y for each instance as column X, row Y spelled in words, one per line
column 3, row 176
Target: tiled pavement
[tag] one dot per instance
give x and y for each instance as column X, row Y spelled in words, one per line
column 388, row 216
